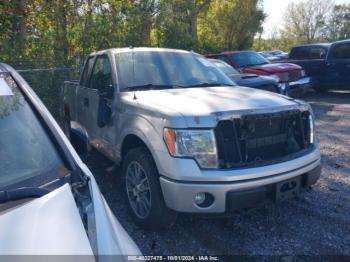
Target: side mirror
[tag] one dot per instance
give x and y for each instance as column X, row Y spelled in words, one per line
column 104, row 113
column 106, row 92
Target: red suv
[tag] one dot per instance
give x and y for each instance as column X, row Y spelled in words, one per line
column 291, row 77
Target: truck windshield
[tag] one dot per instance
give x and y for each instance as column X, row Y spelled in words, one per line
column 246, row 59
column 27, row 155
column 167, row 69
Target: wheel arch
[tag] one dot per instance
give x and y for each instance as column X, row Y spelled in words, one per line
column 131, row 141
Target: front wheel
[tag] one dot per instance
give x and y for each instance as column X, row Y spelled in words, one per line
column 143, row 192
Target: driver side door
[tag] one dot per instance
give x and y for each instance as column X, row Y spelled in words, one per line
column 100, row 97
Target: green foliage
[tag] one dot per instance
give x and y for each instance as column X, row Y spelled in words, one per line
column 172, row 27
column 52, row 33
column 230, row 25
column 57, row 33
column 338, row 25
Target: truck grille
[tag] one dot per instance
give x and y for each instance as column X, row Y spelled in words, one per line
column 290, row 76
column 255, row 140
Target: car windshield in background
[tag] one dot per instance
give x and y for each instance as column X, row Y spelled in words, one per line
column 27, row 155
column 226, row 68
column 245, row 59
column 164, row 70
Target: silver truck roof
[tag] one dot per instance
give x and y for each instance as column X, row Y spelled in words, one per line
column 138, row 49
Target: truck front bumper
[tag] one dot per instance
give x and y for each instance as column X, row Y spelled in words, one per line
column 228, row 196
column 296, row 88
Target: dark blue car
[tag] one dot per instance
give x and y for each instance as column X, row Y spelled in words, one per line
column 328, row 64
column 249, row 80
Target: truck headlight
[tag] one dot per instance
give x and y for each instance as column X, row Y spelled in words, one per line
column 197, row 144
column 312, row 128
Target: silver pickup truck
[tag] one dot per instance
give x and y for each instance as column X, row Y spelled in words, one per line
column 187, row 138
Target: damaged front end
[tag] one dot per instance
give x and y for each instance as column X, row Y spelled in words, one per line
column 258, row 139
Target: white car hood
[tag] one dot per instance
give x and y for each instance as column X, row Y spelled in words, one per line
column 204, row 101
column 49, row 225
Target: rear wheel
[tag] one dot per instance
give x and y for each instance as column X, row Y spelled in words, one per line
column 143, row 191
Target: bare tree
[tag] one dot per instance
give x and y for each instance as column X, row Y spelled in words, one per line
column 306, row 20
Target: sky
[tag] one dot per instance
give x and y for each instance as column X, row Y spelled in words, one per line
column 275, row 10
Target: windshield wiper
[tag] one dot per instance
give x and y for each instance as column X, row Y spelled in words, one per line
column 21, row 193
column 151, row 87
column 206, row 84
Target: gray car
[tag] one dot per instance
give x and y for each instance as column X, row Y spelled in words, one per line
column 187, row 139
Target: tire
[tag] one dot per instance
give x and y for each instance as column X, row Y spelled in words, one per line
column 145, row 200
column 320, row 89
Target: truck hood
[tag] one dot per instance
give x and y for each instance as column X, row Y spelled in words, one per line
column 212, row 101
column 252, row 80
column 272, row 68
column 50, row 225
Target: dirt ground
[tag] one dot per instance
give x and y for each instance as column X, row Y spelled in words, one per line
column 316, row 224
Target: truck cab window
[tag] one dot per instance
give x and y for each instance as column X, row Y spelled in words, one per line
column 101, row 78
column 317, row 53
column 87, row 69
column 301, row 53
column 341, row 51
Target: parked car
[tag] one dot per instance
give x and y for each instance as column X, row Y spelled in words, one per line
column 291, row 77
column 274, row 55
column 269, row 56
column 187, row 139
column 249, row 80
column 327, row 64
column 50, row 203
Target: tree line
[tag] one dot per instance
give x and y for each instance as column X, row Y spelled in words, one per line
column 56, row 32
column 63, row 32
column 309, row 21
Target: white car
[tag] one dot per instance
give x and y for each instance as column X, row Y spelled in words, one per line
column 50, row 203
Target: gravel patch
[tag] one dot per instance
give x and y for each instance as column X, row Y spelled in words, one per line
column 318, row 223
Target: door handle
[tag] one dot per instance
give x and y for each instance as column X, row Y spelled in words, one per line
column 86, row 102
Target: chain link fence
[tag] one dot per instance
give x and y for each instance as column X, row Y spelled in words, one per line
column 47, row 83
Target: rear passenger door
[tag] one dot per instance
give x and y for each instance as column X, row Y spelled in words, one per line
column 317, row 62
column 311, row 59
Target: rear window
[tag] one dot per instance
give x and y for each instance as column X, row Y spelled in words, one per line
column 309, row 52
column 317, row 53
column 300, row 53
column 87, row 70
column 341, row 51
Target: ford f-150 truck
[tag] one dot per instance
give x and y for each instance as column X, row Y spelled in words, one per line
column 187, row 138
column 291, row 77
column 327, row 64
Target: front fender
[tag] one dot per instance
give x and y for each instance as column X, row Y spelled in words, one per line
column 151, row 134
